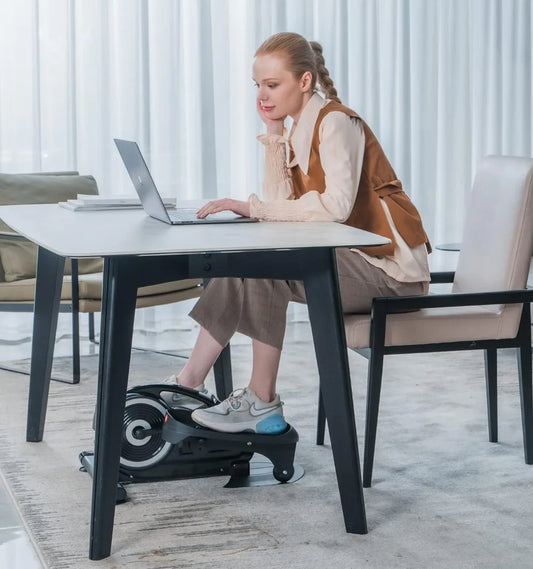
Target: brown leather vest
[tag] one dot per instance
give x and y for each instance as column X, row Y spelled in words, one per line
column 378, row 182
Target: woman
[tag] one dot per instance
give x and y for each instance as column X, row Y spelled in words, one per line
column 337, row 171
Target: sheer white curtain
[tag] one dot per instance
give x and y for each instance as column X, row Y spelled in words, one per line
column 442, row 83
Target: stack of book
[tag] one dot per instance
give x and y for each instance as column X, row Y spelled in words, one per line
column 86, row 202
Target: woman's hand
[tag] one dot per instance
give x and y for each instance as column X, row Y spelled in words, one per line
column 274, row 126
column 225, row 204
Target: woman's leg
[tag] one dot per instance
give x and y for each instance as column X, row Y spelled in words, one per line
column 256, row 308
column 206, row 351
column 265, row 370
column 204, row 354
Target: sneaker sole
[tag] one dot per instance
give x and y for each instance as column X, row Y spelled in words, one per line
column 271, row 425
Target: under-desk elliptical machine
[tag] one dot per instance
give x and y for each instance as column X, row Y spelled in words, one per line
column 160, row 441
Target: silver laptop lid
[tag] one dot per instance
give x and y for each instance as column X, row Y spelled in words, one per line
column 142, row 179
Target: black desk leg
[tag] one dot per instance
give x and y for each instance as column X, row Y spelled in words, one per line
column 118, row 313
column 50, row 268
column 325, row 314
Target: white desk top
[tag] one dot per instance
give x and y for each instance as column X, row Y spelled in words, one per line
column 108, row 233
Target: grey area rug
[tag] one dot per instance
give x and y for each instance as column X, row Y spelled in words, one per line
column 443, row 497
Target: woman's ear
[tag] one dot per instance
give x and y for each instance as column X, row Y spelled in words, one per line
column 306, row 81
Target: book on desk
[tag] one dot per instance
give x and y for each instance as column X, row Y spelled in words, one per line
column 84, row 202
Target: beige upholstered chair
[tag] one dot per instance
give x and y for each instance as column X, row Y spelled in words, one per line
column 82, row 285
column 488, row 308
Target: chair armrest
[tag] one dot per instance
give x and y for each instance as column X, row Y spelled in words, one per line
column 12, row 236
column 439, row 277
column 396, row 304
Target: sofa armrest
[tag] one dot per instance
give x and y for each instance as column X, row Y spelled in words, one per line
column 11, row 236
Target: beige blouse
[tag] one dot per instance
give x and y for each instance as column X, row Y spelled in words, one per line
column 342, row 145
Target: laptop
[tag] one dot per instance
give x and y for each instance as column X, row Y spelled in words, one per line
column 151, row 198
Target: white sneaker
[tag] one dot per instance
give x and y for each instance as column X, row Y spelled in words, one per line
column 178, row 399
column 243, row 411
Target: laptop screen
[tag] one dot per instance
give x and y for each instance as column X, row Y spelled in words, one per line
column 141, row 178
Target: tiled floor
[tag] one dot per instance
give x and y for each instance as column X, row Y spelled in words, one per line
column 16, row 550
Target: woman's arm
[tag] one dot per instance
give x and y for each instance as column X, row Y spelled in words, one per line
column 342, row 144
column 277, row 183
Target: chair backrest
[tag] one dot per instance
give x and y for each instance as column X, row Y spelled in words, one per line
column 497, row 239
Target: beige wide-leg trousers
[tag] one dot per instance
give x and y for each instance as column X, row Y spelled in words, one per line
column 258, row 307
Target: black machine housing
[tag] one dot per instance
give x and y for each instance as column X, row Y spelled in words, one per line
column 160, row 441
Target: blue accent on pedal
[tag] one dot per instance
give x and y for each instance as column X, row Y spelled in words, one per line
column 273, row 425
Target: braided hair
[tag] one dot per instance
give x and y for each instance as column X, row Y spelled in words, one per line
column 301, row 56
column 324, row 80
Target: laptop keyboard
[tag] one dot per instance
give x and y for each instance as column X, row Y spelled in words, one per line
column 183, row 215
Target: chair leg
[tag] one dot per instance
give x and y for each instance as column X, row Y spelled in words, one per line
column 375, row 372
column 92, row 336
column 524, row 372
column 491, row 378
column 75, row 322
column 222, row 369
column 76, row 373
column 223, row 376
column 321, row 421
column 525, row 382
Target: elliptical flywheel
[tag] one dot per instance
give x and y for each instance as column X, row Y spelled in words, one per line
column 142, row 442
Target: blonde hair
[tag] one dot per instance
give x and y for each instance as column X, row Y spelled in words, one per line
column 301, row 56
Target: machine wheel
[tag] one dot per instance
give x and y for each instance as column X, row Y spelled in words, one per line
column 143, row 413
column 283, row 474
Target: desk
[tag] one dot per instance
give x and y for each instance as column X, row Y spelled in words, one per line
column 140, row 251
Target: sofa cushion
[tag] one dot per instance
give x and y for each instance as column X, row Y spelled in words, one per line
column 19, row 258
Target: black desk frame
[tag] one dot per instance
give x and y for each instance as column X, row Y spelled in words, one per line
column 316, row 267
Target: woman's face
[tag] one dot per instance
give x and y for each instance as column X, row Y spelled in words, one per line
column 279, row 93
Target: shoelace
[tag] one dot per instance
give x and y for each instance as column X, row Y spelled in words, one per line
column 235, row 397
column 178, row 396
